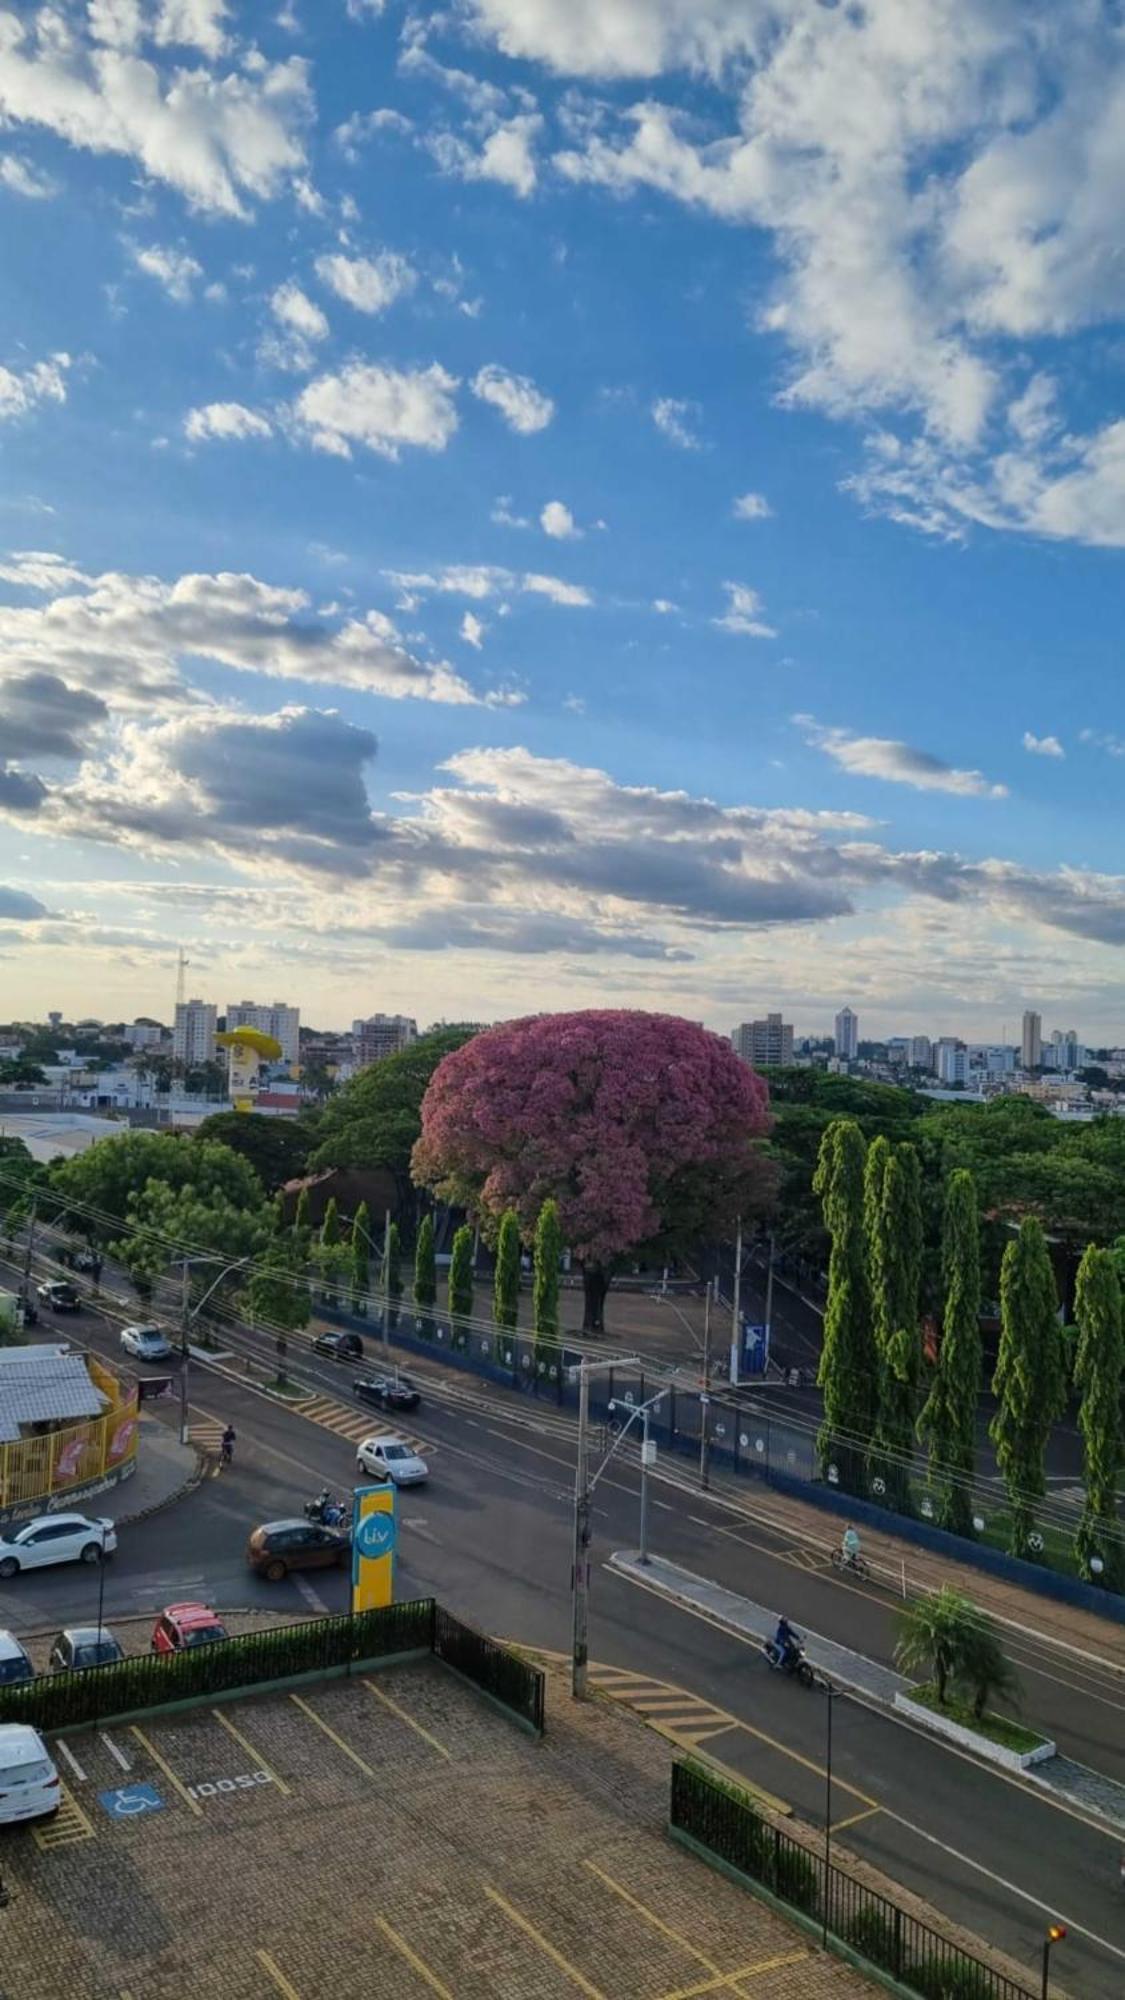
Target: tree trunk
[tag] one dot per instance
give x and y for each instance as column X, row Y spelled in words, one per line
column 595, row 1285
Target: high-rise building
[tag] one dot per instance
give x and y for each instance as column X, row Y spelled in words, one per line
column 278, row 1020
column 193, row 1035
column 766, row 1044
column 951, row 1060
column 921, row 1052
column 847, row 1035
column 381, row 1035
column 141, row 1034
column 1031, row 1045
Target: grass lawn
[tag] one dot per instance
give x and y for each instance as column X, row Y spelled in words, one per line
column 998, row 1728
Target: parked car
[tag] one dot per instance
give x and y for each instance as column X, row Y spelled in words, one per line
column 387, row 1392
column 56, row 1538
column 279, row 1546
column 180, row 1627
column 145, row 1343
column 82, row 1646
column 29, row 1782
column 15, row 1664
column 59, row 1296
column 339, row 1346
column 391, row 1458
column 83, row 1259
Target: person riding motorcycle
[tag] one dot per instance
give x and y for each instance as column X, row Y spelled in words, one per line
column 787, row 1643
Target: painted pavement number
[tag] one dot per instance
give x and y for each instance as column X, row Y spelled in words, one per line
column 223, row 1787
column 130, row 1801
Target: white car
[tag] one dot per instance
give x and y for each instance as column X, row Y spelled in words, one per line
column 145, row 1343
column 55, row 1538
column 390, row 1458
column 15, row 1663
column 29, row 1782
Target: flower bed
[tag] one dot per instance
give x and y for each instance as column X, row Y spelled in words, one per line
column 995, row 1737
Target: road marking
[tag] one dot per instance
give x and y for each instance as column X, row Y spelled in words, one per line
column 556, row 1957
column 69, row 1827
column 718, row 1980
column 854, row 1819
column 409, row 1720
column 177, row 1784
column 277, row 1975
column 73, row 1762
column 114, row 1751
column 331, row 1733
column 412, row 1959
column 258, row 1762
column 731, row 1979
column 312, row 1597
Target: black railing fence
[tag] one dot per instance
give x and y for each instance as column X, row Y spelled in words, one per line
column 504, row 1675
column 725, row 1823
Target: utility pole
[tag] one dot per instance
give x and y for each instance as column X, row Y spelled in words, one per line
column 705, row 1397
column 648, row 1453
column 184, row 1322
column 582, row 1510
column 28, row 1253
column 736, row 1311
column 830, row 1691
column 387, row 1278
column 769, row 1307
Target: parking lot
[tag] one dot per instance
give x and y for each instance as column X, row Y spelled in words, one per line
column 386, row 1833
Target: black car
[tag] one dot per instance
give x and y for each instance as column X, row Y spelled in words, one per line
column 60, row 1296
column 386, row 1393
column 339, row 1346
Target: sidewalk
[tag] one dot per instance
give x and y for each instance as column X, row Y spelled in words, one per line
column 166, row 1470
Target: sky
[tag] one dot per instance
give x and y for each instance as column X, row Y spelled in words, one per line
column 546, row 503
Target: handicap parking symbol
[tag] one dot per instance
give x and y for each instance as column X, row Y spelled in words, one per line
column 128, row 1801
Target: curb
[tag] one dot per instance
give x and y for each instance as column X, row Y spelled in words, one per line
column 181, row 1492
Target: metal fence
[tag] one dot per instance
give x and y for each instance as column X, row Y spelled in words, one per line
column 725, row 1824
column 41, row 1468
column 503, row 1675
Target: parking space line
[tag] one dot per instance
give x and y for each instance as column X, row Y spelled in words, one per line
column 730, row 1979
column 416, row 1964
column 177, row 1784
column 258, row 1761
column 331, row 1734
column 549, row 1950
column 276, row 1974
column 651, row 1917
column 72, row 1760
column 409, row 1720
column 114, row 1751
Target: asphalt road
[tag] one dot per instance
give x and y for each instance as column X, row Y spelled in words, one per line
column 491, row 1537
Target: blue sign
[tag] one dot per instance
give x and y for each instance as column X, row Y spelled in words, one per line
column 129, row 1801
column 376, row 1535
column 755, row 1348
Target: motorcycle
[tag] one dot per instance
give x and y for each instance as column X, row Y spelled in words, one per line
column 792, row 1663
column 327, row 1513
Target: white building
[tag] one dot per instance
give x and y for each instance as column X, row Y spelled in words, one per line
column 951, row 1061
column 278, row 1020
column 767, row 1044
column 381, row 1035
column 193, row 1035
column 141, row 1035
column 847, row 1035
column 921, row 1052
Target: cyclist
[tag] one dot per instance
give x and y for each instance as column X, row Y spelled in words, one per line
column 226, row 1448
column 850, row 1546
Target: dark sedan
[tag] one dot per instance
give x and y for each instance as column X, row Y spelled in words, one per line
column 387, row 1392
column 339, row 1346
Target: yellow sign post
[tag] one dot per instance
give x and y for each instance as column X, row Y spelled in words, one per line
column 374, row 1539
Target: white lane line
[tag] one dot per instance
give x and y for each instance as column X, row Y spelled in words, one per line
column 664, row 1506
column 114, row 1751
column 312, row 1597
column 73, row 1762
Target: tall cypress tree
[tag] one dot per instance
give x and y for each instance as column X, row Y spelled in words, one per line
column 361, row 1255
column 461, row 1274
column 506, row 1283
column 1030, row 1380
column 302, row 1226
column 848, row 1362
column 892, row 1214
column 1099, row 1376
column 545, row 1289
column 330, row 1227
column 947, row 1424
column 425, row 1265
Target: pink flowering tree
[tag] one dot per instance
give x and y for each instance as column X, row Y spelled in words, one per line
column 644, row 1128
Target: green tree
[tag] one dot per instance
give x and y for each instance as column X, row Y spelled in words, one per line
column 892, row 1214
column 374, row 1120
column 330, row 1225
column 1030, row 1381
column 1099, row 1377
column 947, row 1424
column 392, row 1271
column 506, row 1282
column 361, row 1257
column 545, row 1283
column 933, row 1638
column 984, row 1667
column 103, row 1181
column 277, row 1294
column 425, row 1265
column 848, row 1372
column 277, row 1148
column 461, row 1274
column 302, row 1222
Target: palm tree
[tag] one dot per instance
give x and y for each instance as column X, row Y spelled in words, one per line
column 934, row 1638
column 985, row 1668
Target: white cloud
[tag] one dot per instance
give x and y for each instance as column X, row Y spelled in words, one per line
column 898, row 763
column 227, row 421
column 623, row 38
column 664, row 606
column 503, row 516
column 752, row 507
column 557, row 521
column 554, row 588
column 523, row 407
column 20, row 177
column 293, row 309
column 370, row 284
column 382, row 408
column 473, row 630
column 507, row 155
column 675, row 419
column 175, row 270
column 195, row 23
column 480, row 581
column 1042, row 746
column 742, row 613
column 44, row 382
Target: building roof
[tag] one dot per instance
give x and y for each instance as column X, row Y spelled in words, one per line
column 38, row 1387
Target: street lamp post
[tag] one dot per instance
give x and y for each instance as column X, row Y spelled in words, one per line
column 648, row 1457
column 1055, row 1935
column 830, row 1692
column 187, row 1316
column 583, row 1509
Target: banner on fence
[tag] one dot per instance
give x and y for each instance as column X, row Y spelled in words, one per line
column 374, row 1538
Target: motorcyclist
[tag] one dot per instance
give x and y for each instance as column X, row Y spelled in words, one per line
column 321, row 1504
column 787, row 1642
column 226, row 1449
column 332, row 1513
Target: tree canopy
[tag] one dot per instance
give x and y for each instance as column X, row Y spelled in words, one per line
column 113, row 1173
column 376, row 1119
column 277, row 1148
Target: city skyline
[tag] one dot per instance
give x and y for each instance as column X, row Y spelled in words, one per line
column 535, row 502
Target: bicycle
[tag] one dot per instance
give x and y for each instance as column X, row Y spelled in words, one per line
column 856, row 1564
column 226, row 1452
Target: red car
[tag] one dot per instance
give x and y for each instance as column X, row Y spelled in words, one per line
column 181, row 1626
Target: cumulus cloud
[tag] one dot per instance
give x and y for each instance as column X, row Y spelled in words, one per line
column 752, row 507
column 507, row 154
column 742, row 614
column 175, row 270
column 622, row 38
column 198, row 23
column 523, row 407
column 898, row 763
column 43, row 717
column 478, row 581
column 1042, row 746
column 228, row 421
column 295, row 310
column 370, row 284
column 473, row 630
column 21, row 391
column 382, row 408
column 557, row 521
column 675, row 418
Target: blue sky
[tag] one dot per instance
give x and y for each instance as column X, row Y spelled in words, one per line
column 551, row 502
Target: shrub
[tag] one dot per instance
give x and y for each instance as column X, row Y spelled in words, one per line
column 873, row 1934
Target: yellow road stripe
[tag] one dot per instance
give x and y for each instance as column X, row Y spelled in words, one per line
column 331, row 1734
column 259, row 1761
column 854, row 1820
column 408, row 1719
column 69, row 1827
column 549, row 1950
column 795, row 1756
column 276, row 1974
column 412, row 1959
column 192, row 1805
column 650, row 1917
column 730, row 1979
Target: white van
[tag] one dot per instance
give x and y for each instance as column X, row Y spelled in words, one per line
column 29, row 1782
